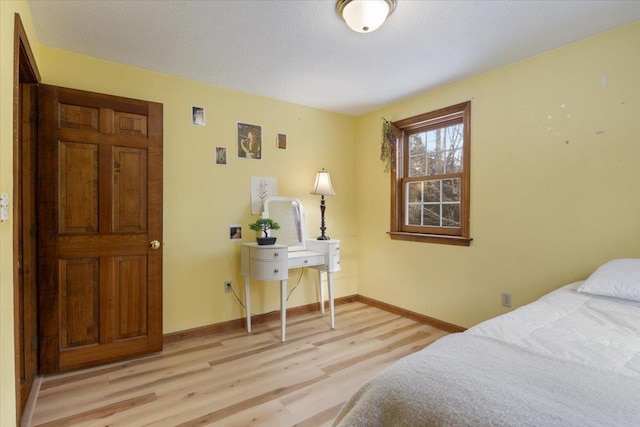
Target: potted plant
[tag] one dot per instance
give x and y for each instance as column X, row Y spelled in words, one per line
column 264, row 225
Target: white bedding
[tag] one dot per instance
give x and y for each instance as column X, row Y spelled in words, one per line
column 593, row 330
column 569, row 358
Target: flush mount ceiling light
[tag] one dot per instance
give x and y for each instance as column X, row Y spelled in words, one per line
column 364, row 16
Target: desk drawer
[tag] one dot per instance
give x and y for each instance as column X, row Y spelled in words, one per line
column 268, row 254
column 306, row 261
column 268, row 270
column 334, row 258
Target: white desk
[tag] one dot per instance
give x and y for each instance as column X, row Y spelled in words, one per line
column 273, row 262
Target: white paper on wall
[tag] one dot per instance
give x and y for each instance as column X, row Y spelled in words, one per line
column 261, row 188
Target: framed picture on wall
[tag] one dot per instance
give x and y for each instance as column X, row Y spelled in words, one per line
column 197, row 116
column 235, row 232
column 282, row 141
column 249, row 141
column 221, row 155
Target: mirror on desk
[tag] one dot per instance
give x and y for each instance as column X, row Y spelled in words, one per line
column 289, row 214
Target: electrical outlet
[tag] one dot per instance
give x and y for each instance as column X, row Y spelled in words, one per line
column 506, row 299
column 227, row 286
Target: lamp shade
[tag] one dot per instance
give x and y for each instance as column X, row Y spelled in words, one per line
column 364, row 16
column 322, row 185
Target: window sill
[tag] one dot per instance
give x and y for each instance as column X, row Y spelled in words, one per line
column 431, row 238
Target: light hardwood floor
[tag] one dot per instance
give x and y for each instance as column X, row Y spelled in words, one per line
column 237, row 379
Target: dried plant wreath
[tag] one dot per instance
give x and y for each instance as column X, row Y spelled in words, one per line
column 388, row 145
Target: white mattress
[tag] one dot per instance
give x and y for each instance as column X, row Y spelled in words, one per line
column 573, row 326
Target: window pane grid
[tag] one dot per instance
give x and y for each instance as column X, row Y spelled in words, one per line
column 436, row 151
column 433, row 203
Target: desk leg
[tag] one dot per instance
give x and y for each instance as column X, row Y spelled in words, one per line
column 331, row 311
column 321, row 291
column 247, row 302
column 283, row 308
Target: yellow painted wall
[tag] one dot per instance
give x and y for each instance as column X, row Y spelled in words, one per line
column 555, row 155
column 8, row 9
column 202, row 199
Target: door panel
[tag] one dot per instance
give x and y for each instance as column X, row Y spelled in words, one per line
column 130, row 189
column 79, row 302
column 100, row 164
column 79, row 117
column 130, row 124
column 78, row 188
column 131, row 278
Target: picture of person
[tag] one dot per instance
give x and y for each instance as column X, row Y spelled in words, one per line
column 221, row 156
column 197, row 116
column 249, row 141
column 235, row 232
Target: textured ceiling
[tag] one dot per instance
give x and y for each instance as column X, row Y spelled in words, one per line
column 300, row 51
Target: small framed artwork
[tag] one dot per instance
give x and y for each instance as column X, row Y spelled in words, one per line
column 249, row 141
column 221, row 155
column 235, row 232
column 197, row 116
column 282, row 141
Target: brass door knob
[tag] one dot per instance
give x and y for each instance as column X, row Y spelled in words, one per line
column 154, row 244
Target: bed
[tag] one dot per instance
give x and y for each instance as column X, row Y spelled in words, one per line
column 571, row 358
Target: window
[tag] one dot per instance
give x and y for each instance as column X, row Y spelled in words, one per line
column 430, row 184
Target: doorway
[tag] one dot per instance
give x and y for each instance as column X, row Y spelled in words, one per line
column 26, row 78
column 87, row 227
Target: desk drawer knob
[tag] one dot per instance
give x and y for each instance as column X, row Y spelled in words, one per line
column 306, row 261
column 276, row 254
column 276, row 271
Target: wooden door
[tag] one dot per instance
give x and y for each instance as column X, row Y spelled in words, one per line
column 100, row 207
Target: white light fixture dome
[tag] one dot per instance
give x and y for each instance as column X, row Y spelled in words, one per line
column 364, row 16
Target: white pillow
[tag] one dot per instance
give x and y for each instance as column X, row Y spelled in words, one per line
column 619, row 278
